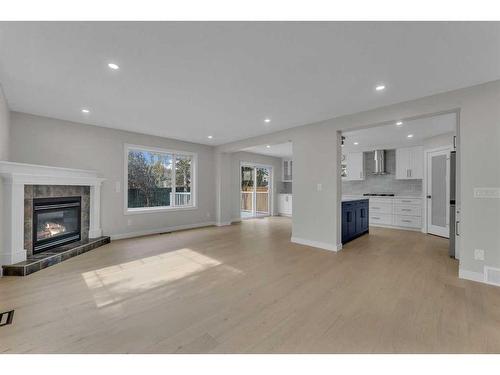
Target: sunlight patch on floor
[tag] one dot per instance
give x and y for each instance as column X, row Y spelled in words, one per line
column 116, row 283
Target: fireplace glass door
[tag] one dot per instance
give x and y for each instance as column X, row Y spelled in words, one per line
column 56, row 221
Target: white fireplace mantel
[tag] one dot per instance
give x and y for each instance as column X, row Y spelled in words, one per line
column 14, row 176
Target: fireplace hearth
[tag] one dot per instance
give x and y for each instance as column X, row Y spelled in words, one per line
column 56, row 222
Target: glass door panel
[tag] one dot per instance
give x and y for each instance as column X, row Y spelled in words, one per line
column 262, row 191
column 247, row 191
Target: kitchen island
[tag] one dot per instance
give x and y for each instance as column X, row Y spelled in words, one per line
column 355, row 214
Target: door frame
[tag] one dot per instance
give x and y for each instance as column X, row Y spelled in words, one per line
column 271, row 187
column 425, row 181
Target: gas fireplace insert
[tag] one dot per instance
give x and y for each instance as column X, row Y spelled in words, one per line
column 56, row 221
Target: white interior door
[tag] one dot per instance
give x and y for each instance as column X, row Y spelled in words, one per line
column 438, row 193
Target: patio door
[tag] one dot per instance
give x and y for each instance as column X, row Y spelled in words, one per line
column 255, row 190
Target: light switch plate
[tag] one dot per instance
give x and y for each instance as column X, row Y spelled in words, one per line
column 319, row 187
column 487, row 193
column 118, row 186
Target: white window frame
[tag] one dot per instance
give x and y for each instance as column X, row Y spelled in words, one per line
column 194, row 180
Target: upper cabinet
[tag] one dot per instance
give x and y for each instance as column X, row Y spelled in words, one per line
column 410, row 163
column 353, row 166
column 287, row 168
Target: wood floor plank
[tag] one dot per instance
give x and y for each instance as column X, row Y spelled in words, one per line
column 246, row 288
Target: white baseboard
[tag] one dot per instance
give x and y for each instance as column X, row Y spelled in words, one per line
column 471, row 275
column 396, row 227
column 318, row 244
column 223, row 223
column 147, row 232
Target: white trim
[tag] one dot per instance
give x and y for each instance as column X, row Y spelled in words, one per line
column 148, row 232
column 147, row 210
column 152, row 210
column 390, row 226
column 223, row 223
column 471, row 275
column 318, row 244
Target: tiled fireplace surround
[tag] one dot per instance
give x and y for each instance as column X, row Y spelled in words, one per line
column 53, row 191
column 21, row 184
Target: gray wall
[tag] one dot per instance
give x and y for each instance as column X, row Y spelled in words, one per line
column 4, row 127
column 316, row 213
column 382, row 183
column 42, row 140
column 4, row 143
column 236, row 159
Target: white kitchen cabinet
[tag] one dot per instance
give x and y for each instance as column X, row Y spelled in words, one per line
column 285, row 205
column 287, row 168
column 410, row 163
column 354, row 166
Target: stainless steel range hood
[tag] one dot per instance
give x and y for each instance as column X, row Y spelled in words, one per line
column 379, row 157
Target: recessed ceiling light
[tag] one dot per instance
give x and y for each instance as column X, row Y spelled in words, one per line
column 356, row 143
column 268, row 146
column 410, row 135
column 399, row 123
column 85, row 110
column 380, row 87
column 267, row 120
column 210, row 136
column 113, row 66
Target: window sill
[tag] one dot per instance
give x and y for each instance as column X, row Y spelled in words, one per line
column 153, row 210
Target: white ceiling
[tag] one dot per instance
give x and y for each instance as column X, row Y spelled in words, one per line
column 188, row 80
column 393, row 136
column 282, row 150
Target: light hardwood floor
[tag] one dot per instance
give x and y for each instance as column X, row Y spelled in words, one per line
column 246, row 289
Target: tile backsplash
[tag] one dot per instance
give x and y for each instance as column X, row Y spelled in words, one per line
column 285, row 187
column 382, row 183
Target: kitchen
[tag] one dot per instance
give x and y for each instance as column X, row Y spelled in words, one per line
column 397, row 176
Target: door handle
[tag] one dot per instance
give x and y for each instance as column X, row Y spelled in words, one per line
column 429, row 196
column 456, row 228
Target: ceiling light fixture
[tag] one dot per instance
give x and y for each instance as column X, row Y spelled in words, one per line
column 113, row 66
column 268, row 146
column 267, row 120
column 380, row 87
column 210, row 136
column 85, row 110
column 410, row 135
column 356, row 143
column 399, row 123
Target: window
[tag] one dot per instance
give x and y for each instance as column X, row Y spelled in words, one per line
column 158, row 179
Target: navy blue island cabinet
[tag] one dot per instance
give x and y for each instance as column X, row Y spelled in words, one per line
column 354, row 219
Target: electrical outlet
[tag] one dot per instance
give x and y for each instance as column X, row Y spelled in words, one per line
column 208, row 214
column 478, row 254
column 129, row 222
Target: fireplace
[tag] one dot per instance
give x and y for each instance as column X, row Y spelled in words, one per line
column 56, row 221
